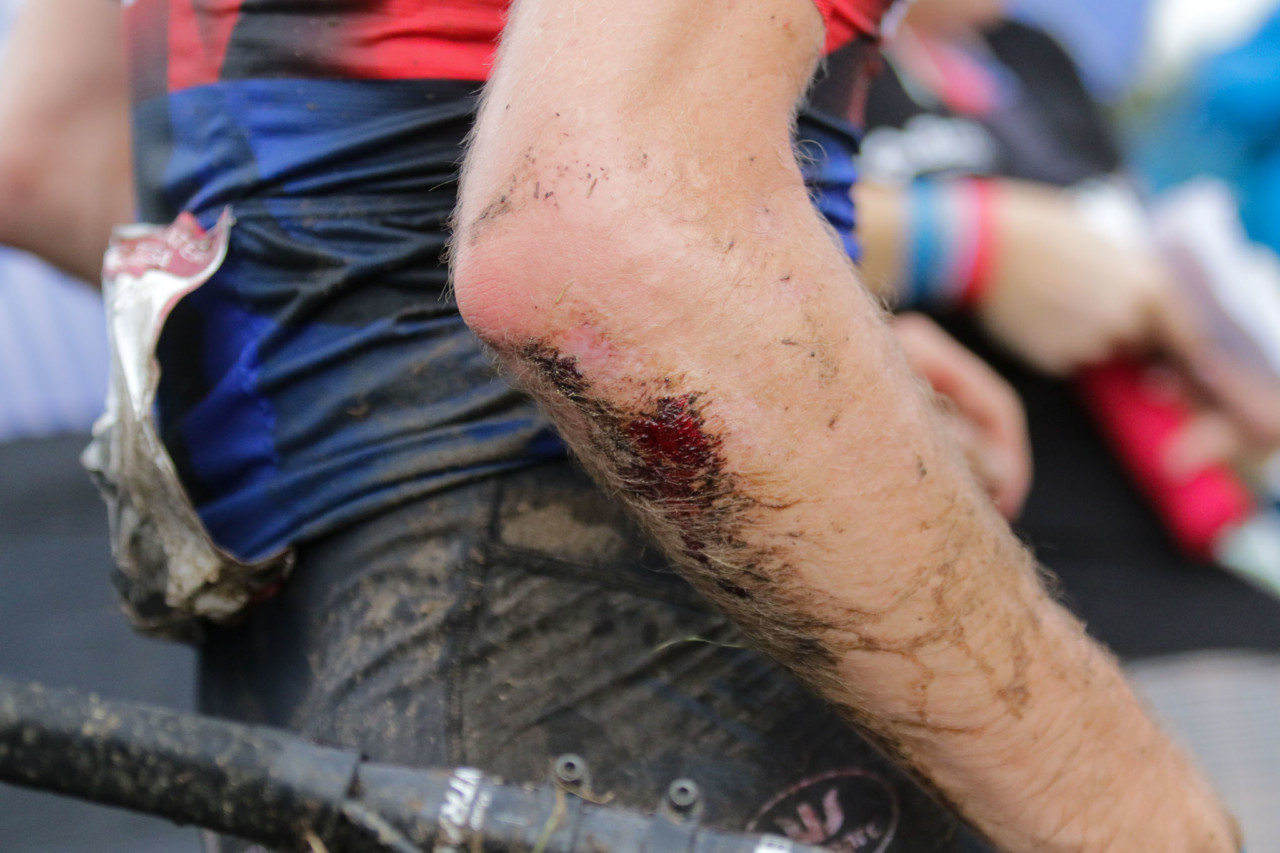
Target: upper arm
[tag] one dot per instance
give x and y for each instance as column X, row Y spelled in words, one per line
column 626, row 129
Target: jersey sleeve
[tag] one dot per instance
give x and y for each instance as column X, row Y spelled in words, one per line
column 848, row 20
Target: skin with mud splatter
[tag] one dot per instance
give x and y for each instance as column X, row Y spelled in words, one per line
column 664, row 458
column 661, row 454
column 665, row 462
column 931, row 634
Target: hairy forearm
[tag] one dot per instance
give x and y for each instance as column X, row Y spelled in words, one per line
column 850, row 542
column 718, row 365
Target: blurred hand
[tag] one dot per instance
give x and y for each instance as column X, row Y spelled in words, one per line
column 1236, row 420
column 983, row 409
column 1061, row 296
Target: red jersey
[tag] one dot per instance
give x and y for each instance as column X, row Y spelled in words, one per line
column 213, row 40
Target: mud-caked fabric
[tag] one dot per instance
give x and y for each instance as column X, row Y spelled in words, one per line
column 505, row 623
column 323, row 373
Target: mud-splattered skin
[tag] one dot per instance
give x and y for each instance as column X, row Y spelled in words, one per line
column 664, row 458
column 666, row 462
column 653, row 437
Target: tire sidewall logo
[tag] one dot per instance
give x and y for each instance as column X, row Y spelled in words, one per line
column 849, row 811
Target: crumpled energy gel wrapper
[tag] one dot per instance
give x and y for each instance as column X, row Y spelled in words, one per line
column 170, row 574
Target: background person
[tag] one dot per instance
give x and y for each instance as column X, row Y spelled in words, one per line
column 1056, row 294
column 972, row 135
column 59, row 619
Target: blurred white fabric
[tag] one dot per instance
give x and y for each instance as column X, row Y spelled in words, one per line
column 53, row 350
column 1183, row 31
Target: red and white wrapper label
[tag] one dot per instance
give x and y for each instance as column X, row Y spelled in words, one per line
column 170, row 573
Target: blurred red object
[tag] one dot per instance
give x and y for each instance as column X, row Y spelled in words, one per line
column 1140, row 411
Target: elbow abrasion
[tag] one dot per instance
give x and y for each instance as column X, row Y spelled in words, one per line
column 660, row 449
column 645, row 430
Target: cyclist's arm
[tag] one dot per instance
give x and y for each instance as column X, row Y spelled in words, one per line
column 65, row 174
column 635, row 242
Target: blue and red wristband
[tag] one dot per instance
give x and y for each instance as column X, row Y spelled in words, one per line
column 949, row 243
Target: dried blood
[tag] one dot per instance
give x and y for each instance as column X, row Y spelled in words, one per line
column 675, row 457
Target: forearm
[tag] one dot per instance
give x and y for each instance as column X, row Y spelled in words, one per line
column 936, row 243
column 719, row 365
column 65, row 173
column 882, row 230
column 1042, row 280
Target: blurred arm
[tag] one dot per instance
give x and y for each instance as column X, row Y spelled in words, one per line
column 1057, row 294
column 882, row 231
column 65, row 172
column 1062, row 296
